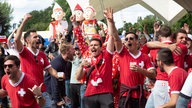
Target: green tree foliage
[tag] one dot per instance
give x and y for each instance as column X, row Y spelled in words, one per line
column 41, row 19
column 186, row 19
column 65, row 6
column 5, row 17
column 149, row 20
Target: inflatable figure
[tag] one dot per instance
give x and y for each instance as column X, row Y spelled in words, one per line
column 78, row 12
column 89, row 26
column 58, row 26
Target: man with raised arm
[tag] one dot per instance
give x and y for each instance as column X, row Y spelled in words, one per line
column 33, row 61
column 134, row 67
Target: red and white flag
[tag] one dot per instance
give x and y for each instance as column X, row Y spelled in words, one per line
column 3, row 39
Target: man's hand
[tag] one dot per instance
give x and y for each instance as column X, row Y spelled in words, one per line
column 27, row 16
column 186, row 27
column 108, row 13
column 36, row 90
column 60, row 103
column 67, row 100
column 175, row 49
column 156, row 27
column 73, row 20
column 85, row 63
column 50, row 56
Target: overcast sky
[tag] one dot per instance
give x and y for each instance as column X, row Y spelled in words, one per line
column 24, row 6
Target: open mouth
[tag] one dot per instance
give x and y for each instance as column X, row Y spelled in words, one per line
column 129, row 44
column 93, row 50
column 8, row 73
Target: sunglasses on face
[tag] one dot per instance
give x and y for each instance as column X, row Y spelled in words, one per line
column 130, row 38
column 9, row 65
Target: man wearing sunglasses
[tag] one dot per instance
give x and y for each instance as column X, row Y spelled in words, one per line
column 134, row 67
column 20, row 87
column 33, row 61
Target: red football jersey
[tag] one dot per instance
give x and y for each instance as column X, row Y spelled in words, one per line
column 19, row 94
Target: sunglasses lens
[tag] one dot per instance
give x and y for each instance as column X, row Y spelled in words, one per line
column 131, row 38
column 9, row 65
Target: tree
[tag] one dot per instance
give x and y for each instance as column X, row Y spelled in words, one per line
column 41, row 19
column 5, row 17
column 148, row 21
column 186, row 19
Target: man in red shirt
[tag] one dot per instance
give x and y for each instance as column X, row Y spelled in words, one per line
column 161, row 85
column 33, row 61
column 98, row 63
column 20, row 87
column 134, row 67
column 176, row 75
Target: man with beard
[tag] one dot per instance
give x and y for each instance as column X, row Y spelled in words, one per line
column 21, row 88
column 134, row 67
column 33, row 61
column 98, row 68
column 62, row 64
column 176, row 75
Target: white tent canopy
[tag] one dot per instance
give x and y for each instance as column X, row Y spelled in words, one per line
column 167, row 10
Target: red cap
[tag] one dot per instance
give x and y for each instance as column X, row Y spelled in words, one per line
column 78, row 7
column 97, row 36
column 91, row 7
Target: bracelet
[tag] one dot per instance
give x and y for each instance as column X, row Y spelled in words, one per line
column 38, row 97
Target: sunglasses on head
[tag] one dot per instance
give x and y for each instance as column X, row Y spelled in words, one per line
column 130, row 38
column 9, row 65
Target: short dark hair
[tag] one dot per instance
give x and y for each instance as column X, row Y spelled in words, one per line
column 96, row 39
column 179, row 31
column 13, row 58
column 27, row 34
column 165, row 31
column 136, row 36
column 166, row 56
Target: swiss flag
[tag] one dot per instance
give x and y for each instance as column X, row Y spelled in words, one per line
column 3, row 39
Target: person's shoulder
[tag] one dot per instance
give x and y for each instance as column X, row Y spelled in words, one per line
column 56, row 60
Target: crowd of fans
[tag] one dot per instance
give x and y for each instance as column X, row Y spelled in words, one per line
column 99, row 70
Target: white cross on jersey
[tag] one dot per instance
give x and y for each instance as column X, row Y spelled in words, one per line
column 21, row 92
column 141, row 64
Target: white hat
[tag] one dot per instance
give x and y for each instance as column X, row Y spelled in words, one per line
column 56, row 6
column 189, row 36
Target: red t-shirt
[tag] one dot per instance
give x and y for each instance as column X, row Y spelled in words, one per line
column 34, row 65
column 176, row 79
column 104, row 71
column 179, row 59
column 19, row 94
column 128, row 77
